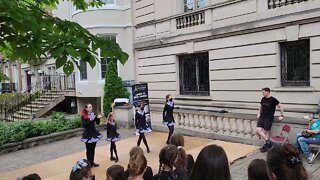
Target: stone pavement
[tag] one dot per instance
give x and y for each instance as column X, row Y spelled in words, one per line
column 32, row 156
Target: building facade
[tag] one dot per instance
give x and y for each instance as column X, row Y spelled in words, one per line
column 215, row 55
column 111, row 21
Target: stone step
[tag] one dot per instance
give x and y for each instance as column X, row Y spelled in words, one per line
column 35, row 106
column 28, row 108
column 20, row 117
column 44, row 99
column 50, row 96
column 43, row 103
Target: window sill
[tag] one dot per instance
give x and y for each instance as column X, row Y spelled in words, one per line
column 293, row 89
column 194, row 97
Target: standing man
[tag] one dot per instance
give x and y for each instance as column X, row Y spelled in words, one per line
column 265, row 117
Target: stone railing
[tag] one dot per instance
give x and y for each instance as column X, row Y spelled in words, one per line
column 190, row 19
column 279, row 3
column 229, row 126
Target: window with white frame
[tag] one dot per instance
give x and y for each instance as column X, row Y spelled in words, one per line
column 83, row 70
column 108, row 1
column 190, row 5
column 105, row 62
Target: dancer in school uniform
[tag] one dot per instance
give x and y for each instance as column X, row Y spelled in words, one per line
column 168, row 119
column 142, row 126
column 90, row 135
column 113, row 136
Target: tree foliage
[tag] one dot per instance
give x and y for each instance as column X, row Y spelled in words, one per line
column 29, row 33
column 113, row 88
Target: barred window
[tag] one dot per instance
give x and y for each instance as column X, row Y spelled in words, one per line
column 295, row 63
column 194, row 74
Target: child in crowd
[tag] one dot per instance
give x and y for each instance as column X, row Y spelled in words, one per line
column 167, row 170
column 211, row 163
column 258, row 170
column 116, row 172
column 82, row 171
column 284, row 163
column 148, row 174
column 137, row 167
column 184, row 161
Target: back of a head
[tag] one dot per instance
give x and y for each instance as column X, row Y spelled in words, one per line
column 33, row 176
column 284, row 163
column 258, row 170
column 80, row 169
column 116, row 172
column 168, row 155
column 135, row 151
column 137, row 165
column 177, row 140
column 211, row 163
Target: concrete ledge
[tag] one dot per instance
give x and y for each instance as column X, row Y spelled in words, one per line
column 36, row 141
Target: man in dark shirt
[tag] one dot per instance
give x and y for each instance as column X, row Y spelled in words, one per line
column 265, row 116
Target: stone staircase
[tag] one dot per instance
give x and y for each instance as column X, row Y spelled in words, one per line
column 39, row 99
column 40, row 106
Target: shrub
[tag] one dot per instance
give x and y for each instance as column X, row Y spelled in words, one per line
column 113, row 88
column 20, row 130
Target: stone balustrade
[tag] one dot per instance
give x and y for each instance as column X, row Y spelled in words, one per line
column 228, row 126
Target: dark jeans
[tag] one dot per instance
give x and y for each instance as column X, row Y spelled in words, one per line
column 90, row 152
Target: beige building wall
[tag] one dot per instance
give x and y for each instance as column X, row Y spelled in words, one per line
column 242, row 39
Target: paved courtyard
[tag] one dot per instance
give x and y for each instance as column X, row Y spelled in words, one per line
column 38, row 155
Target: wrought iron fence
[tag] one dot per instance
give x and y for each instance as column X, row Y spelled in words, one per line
column 31, row 99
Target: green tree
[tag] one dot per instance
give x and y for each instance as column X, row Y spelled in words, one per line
column 29, row 33
column 113, row 88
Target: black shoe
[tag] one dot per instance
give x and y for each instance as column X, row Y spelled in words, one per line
column 112, row 158
column 263, row 147
column 168, row 142
column 95, row 165
column 116, row 159
column 269, row 144
column 148, row 150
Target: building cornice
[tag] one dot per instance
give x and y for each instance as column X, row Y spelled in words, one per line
column 104, row 8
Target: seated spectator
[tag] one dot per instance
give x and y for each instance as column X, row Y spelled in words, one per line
column 148, row 175
column 82, row 171
column 310, row 136
column 137, row 167
column 284, row 163
column 116, row 172
column 167, row 158
column 258, row 170
column 33, row 176
column 184, row 161
column 211, row 163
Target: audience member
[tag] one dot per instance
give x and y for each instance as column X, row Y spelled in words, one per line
column 211, row 163
column 137, row 167
column 284, row 163
column 116, row 172
column 167, row 158
column 257, row 170
column 82, row 171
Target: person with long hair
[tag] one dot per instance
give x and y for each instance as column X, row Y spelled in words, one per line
column 148, row 174
column 211, row 163
column 90, row 136
column 137, row 167
column 184, row 161
column 167, row 170
column 168, row 118
column 258, row 170
column 142, row 126
column 113, row 136
column 284, row 163
column 116, row 172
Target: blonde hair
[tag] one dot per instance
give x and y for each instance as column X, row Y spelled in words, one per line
column 137, row 165
column 135, row 151
column 111, row 114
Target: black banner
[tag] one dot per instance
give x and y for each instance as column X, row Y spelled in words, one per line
column 140, row 94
